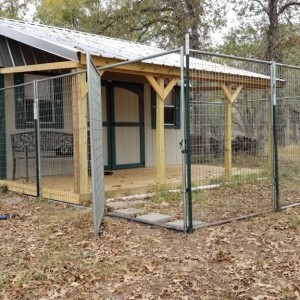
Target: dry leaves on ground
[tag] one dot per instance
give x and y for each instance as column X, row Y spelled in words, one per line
column 48, row 252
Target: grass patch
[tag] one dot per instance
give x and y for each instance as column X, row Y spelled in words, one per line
column 164, row 195
column 202, row 196
column 295, row 220
column 237, row 181
column 289, row 174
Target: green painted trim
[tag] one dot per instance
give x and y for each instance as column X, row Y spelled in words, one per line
column 111, row 124
column 127, row 124
column 19, row 102
column 177, row 110
column 142, row 127
column 113, row 131
column 129, row 166
column 2, row 131
column 177, row 107
column 58, row 105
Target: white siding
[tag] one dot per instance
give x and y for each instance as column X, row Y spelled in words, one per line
column 127, row 145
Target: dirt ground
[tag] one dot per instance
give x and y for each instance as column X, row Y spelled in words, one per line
column 49, row 252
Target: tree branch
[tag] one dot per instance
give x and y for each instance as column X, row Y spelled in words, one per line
column 287, row 5
column 262, row 5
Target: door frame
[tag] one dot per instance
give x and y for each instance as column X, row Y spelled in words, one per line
column 138, row 89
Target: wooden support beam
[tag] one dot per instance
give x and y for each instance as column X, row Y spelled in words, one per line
column 230, row 97
column 42, row 67
column 169, row 87
column 161, row 93
column 80, row 130
column 160, row 135
column 227, row 140
column 155, row 85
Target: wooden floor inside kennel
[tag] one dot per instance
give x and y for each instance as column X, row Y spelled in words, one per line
column 119, row 183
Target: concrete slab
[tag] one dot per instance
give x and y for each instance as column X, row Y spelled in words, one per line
column 154, row 218
column 126, row 212
column 122, row 204
column 178, row 224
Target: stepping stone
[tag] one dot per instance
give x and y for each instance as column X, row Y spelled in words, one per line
column 178, row 224
column 126, row 212
column 121, row 204
column 154, row 218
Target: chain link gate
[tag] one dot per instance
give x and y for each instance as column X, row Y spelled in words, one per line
column 287, row 116
column 229, row 138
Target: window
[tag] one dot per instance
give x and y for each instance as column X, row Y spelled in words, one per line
column 50, row 103
column 46, row 111
column 171, row 109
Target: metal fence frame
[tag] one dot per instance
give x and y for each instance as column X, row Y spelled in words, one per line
column 276, row 200
column 186, row 211
column 96, row 143
column 187, row 189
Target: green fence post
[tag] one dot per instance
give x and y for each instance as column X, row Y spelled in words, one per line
column 188, row 138
column 275, row 173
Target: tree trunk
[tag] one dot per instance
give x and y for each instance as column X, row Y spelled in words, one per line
column 272, row 32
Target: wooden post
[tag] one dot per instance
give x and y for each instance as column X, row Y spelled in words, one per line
column 230, row 97
column 228, row 137
column 160, row 135
column 80, row 131
column 161, row 94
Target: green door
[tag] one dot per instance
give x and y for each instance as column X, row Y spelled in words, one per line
column 123, row 127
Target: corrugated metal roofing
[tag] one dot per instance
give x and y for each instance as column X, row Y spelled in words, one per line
column 68, row 43
column 14, row 54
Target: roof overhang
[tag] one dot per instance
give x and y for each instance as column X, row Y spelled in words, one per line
column 143, row 68
column 42, row 44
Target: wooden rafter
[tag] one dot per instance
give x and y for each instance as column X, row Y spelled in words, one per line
column 141, row 68
column 138, row 68
column 42, row 67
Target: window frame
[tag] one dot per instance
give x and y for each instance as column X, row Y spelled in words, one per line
column 176, row 101
column 55, row 97
column 31, row 121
